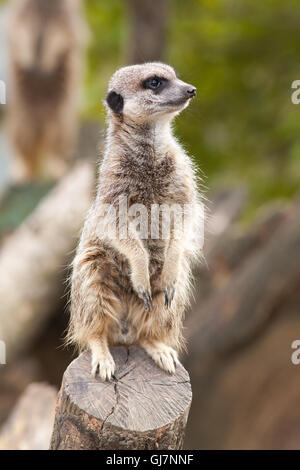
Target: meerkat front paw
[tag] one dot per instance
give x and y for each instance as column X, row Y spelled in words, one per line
column 103, row 364
column 164, row 356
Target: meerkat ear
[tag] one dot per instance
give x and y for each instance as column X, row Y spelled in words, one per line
column 115, row 102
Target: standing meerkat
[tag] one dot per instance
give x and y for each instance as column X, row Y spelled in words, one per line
column 45, row 40
column 130, row 286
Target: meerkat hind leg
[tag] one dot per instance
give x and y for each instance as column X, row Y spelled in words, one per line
column 102, row 360
column 164, row 356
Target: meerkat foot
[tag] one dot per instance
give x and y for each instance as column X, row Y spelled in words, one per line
column 102, row 363
column 164, row 356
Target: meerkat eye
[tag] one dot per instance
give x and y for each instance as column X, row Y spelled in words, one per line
column 154, row 83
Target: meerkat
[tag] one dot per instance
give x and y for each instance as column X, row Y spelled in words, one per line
column 128, row 289
column 45, row 44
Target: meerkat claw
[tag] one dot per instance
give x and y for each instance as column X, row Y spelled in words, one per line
column 104, row 366
column 147, row 300
column 94, row 369
column 169, row 295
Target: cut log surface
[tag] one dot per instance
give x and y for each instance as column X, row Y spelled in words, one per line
column 143, row 407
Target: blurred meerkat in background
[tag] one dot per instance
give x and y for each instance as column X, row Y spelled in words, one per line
column 46, row 41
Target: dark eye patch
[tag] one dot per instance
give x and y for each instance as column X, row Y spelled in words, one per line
column 155, row 83
column 115, row 102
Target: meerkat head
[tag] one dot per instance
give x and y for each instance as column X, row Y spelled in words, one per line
column 147, row 92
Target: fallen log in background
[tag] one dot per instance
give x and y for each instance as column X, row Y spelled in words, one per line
column 253, row 293
column 142, row 408
column 239, row 242
column 14, row 379
column 34, row 258
column 240, row 340
column 222, row 209
column 248, row 398
column 30, row 425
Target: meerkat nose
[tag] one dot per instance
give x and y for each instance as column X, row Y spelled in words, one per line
column 191, row 91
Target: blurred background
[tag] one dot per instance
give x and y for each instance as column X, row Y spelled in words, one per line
column 243, row 133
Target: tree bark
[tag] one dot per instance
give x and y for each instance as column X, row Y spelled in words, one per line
column 142, row 408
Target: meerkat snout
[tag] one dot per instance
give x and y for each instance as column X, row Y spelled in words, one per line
column 191, row 91
column 145, row 92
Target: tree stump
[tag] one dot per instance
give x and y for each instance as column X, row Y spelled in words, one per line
column 143, row 407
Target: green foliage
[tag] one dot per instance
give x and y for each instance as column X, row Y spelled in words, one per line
column 242, row 56
column 18, row 202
